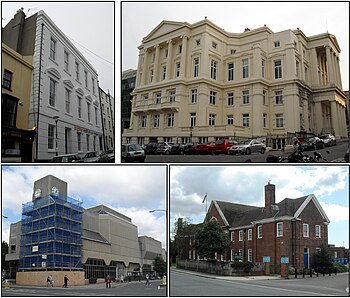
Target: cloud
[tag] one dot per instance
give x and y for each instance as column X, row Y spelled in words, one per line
column 335, row 213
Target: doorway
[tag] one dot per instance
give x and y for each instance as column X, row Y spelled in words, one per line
column 306, row 258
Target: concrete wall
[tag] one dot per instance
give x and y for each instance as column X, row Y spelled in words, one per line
column 38, row 278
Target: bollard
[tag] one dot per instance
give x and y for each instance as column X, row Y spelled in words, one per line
column 316, row 272
column 303, row 273
column 329, row 271
column 296, row 273
column 310, row 272
column 323, row 272
column 335, row 270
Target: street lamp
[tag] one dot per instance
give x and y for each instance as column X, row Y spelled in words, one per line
column 56, row 120
column 157, row 210
column 191, row 128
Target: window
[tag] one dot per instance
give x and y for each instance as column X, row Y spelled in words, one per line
column 279, row 120
column 158, row 98
column 66, row 61
column 171, row 118
column 198, row 42
column 212, row 119
column 240, row 255
column 145, row 99
column 172, row 95
column 277, row 44
column 233, row 51
column 79, row 107
column 212, row 97
column 318, row 231
column 264, row 97
column 88, row 111
column 195, row 67
column 151, row 76
column 86, row 79
column 88, row 142
column 214, row 45
column 67, row 95
column 166, row 53
column 233, row 236
column 52, row 95
column 279, row 229
column 77, row 71
column 53, row 49
column 263, row 63
column 79, row 140
column 245, row 95
column 8, row 110
column 96, row 116
column 240, row 235
column 193, row 119
column 7, row 79
column 278, row 69
column 144, row 121
column 156, row 119
column 93, row 85
column 164, row 72
column 250, row 234
column 194, row 95
column 180, row 49
column 177, row 70
column 50, row 136
column 259, row 232
column 229, row 119
column 230, row 99
column 232, row 254
column 250, row 255
column 213, row 69
column 245, row 69
column 297, row 68
column 230, row 70
column 245, row 118
column 279, row 97
column 306, row 230
column 264, row 120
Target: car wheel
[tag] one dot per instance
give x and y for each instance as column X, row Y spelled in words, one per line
column 167, row 152
column 248, row 151
column 262, row 151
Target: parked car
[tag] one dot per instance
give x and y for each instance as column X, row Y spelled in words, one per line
column 177, row 149
column 248, row 147
column 151, row 148
column 223, row 145
column 207, row 148
column 164, row 148
column 190, row 148
column 66, row 158
column 132, row 152
column 328, row 140
column 346, row 156
column 92, row 156
column 107, row 156
column 313, row 143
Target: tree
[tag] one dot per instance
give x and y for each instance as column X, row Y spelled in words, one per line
column 180, row 231
column 159, row 265
column 4, row 251
column 211, row 239
column 322, row 259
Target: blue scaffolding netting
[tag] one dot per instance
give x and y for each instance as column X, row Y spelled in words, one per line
column 51, row 234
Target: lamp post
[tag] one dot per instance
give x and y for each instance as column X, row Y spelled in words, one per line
column 191, row 128
column 56, row 120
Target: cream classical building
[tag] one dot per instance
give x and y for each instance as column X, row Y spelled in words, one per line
column 198, row 82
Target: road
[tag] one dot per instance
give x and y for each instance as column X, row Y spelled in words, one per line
column 126, row 289
column 336, row 153
column 184, row 284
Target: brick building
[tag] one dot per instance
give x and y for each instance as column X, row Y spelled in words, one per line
column 293, row 228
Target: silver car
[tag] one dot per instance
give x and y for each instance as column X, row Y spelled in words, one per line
column 132, row 152
column 248, row 147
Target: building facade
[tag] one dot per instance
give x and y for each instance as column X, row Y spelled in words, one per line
column 128, row 86
column 107, row 116
column 64, row 100
column 293, row 228
column 197, row 79
column 16, row 138
column 57, row 236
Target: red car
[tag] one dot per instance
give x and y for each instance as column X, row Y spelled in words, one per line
column 207, row 148
column 223, row 145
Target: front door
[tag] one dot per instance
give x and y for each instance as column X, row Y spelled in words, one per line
column 306, row 258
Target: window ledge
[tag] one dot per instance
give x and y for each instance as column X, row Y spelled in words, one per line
column 53, row 108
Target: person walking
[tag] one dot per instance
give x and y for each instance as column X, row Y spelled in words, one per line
column 48, row 281
column 147, row 280
column 52, row 281
column 108, row 281
column 65, row 280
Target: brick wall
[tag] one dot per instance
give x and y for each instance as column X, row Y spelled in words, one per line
column 38, row 278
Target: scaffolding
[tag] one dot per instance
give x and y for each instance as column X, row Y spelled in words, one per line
column 51, row 234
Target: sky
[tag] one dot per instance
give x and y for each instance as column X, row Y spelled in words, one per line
column 245, row 185
column 130, row 190
column 312, row 18
column 87, row 24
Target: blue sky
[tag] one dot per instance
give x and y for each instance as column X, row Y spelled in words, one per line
column 130, row 190
column 245, row 185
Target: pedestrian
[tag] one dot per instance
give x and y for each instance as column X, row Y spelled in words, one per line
column 122, row 278
column 48, row 281
column 52, row 281
column 147, row 280
column 108, row 281
column 65, row 280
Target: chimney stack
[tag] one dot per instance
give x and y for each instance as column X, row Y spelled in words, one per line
column 270, row 195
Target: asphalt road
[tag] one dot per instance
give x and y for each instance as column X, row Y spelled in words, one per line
column 126, row 289
column 336, row 154
column 183, row 284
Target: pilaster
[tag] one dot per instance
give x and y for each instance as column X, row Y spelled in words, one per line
column 183, row 56
column 156, row 64
column 169, row 60
column 330, row 72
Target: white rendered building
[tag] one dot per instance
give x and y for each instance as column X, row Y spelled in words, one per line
column 198, row 82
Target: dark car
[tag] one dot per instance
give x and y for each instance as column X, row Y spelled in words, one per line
column 151, row 148
column 346, row 156
column 92, row 156
column 190, row 148
column 223, row 145
column 207, row 148
column 313, row 143
column 132, row 152
column 66, row 158
column 107, row 156
column 177, row 149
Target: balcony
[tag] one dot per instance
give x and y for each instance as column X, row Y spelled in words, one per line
column 142, row 107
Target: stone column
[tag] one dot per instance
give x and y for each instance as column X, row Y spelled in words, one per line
column 169, row 60
column 330, row 73
column 339, row 75
column 289, row 62
column 334, row 119
column 183, row 56
column 144, row 67
column 301, row 65
column 256, row 67
column 314, row 75
column 156, row 64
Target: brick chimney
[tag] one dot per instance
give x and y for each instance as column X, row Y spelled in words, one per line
column 270, row 195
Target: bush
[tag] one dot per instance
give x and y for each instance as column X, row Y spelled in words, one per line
column 340, row 267
column 92, row 280
column 244, row 266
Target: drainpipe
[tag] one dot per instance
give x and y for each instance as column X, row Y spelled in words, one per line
column 39, row 92
column 103, row 127
column 110, row 108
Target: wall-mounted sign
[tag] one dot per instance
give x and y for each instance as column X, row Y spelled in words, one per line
column 284, row 260
column 35, row 248
column 266, row 259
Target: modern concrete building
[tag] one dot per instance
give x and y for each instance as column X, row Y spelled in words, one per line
column 128, row 86
column 107, row 116
column 64, row 100
column 58, row 236
column 16, row 137
column 199, row 79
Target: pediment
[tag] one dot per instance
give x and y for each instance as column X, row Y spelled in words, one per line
column 68, row 83
column 53, row 72
column 88, row 98
column 79, row 91
column 163, row 28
